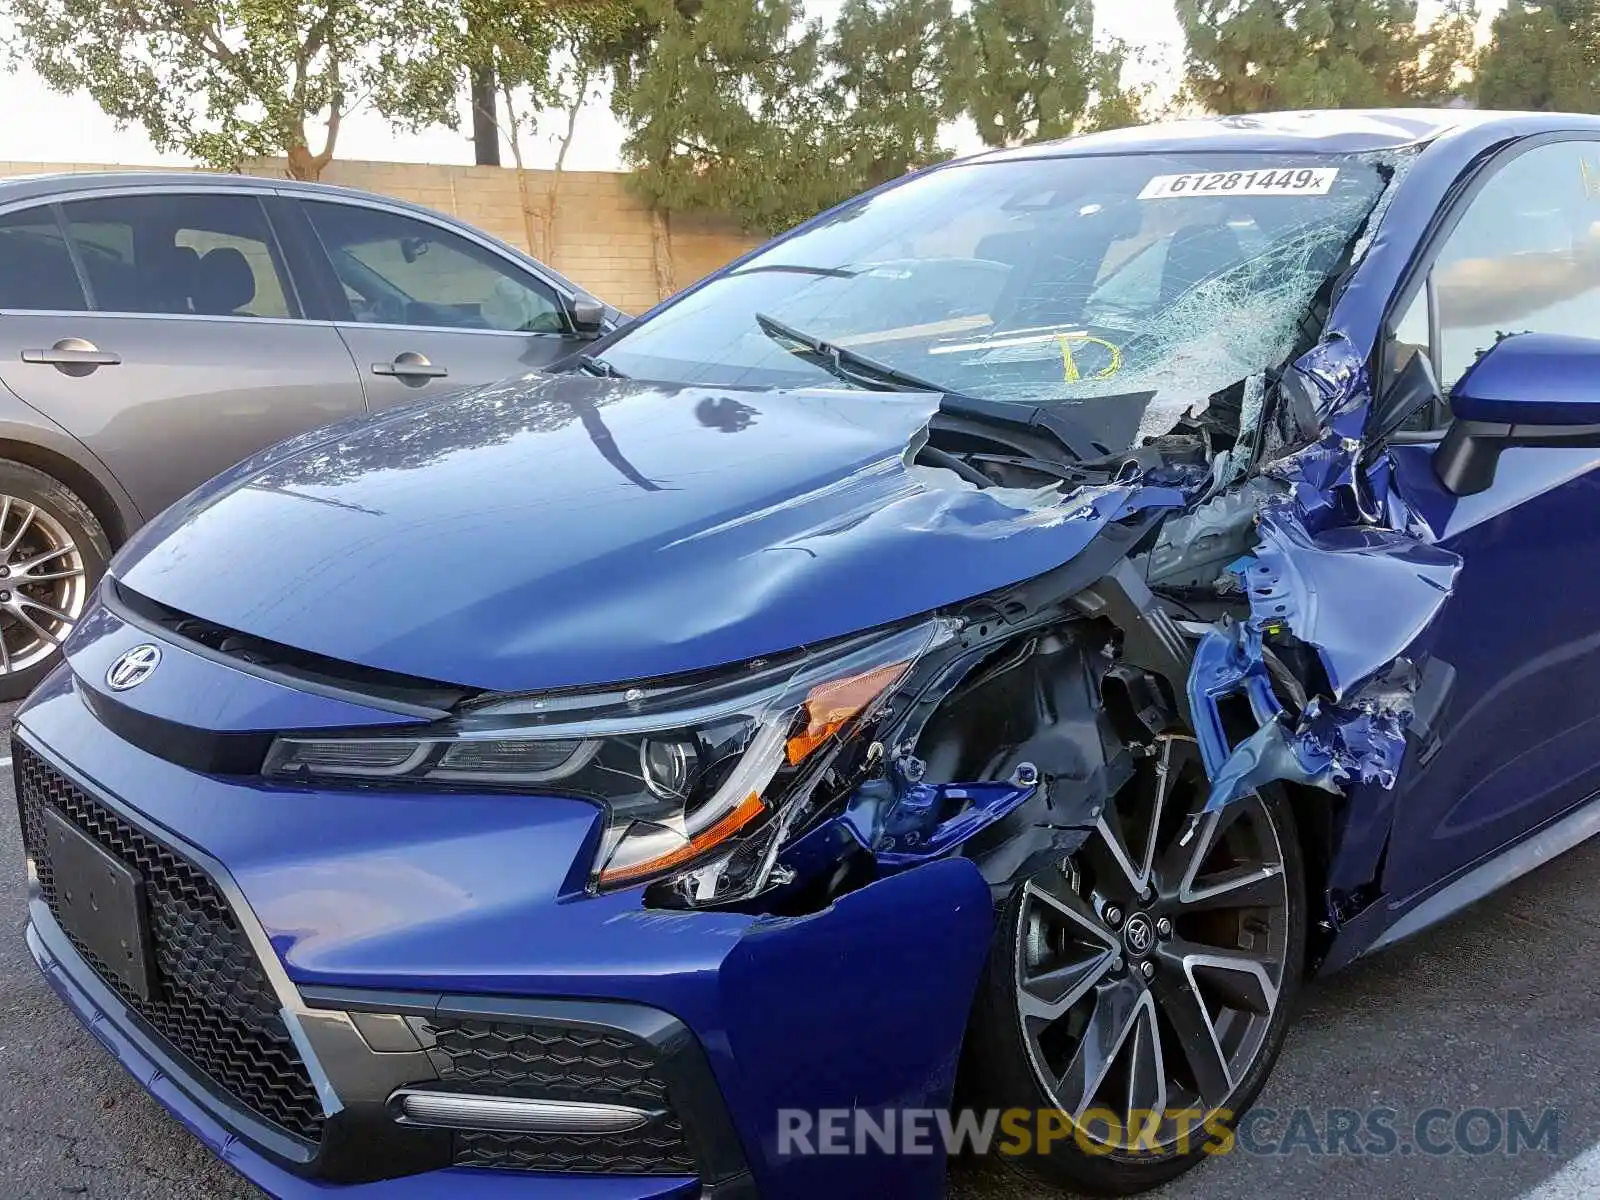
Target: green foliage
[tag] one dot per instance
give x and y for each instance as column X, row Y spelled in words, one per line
column 743, row 108
column 1263, row 55
column 721, row 103
column 891, row 63
column 544, row 53
column 1037, row 72
column 222, row 80
column 1447, row 55
column 1543, row 56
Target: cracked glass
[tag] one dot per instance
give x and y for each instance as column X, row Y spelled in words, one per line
column 1098, row 284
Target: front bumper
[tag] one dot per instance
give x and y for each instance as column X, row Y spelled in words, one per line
column 414, row 904
column 161, row 1075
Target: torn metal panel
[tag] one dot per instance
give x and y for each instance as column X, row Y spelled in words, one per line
column 1272, row 753
column 1228, row 663
column 1326, row 570
column 1360, row 595
column 1362, row 741
column 1331, row 380
column 1328, row 746
column 1365, row 742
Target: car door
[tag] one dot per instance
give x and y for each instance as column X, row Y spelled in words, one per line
column 1516, row 738
column 429, row 310
column 191, row 349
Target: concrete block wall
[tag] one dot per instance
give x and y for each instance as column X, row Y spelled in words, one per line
column 602, row 235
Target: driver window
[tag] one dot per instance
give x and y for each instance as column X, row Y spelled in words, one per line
column 1525, row 257
column 399, row 271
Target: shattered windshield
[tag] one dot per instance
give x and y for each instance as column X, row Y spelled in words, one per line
column 1087, row 282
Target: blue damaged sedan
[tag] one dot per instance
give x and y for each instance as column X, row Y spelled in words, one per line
column 983, row 650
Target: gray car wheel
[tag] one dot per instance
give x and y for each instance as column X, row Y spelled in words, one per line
column 52, row 553
column 1140, row 989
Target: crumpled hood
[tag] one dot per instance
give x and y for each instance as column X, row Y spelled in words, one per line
column 560, row 531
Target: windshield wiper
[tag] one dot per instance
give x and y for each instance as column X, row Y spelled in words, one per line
column 866, row 372
column 844, row 364
column 597, row 366
column 798, row 269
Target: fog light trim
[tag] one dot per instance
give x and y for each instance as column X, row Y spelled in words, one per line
column 514, row 1114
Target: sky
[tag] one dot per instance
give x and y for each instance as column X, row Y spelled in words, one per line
column 61, row 128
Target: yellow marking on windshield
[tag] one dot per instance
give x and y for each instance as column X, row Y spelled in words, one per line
column 1069, row 365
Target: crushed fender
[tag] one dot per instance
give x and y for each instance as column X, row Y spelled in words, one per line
column 1360, row 595
column 1342, row 567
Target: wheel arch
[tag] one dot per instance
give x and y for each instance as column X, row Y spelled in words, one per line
column 81, row 481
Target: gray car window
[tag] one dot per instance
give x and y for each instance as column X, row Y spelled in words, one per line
column 199, row 254
column 36, row 270
column 397, row 271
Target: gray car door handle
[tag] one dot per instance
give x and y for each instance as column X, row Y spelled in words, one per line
column 73, row 352
column 410, row 365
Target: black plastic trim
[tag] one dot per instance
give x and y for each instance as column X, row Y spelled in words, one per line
column 302, row 670
column 203, row 750
column 1469, row 455
column 301, row 259
column 696, row 1098
column 359, row 1143
column 272, row 1141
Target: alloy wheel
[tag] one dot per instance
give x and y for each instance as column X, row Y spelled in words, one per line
column 1149, row 966
column 44, row 584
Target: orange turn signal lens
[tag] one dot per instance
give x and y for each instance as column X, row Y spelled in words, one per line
column 830, row 706
column 746, row 811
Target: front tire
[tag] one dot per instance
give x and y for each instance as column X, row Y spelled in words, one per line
column 52, row 553
column 1139, row 992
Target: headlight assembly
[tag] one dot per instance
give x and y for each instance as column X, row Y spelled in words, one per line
column 681, row 768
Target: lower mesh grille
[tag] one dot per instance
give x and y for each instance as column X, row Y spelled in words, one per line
column 559, row 1062
column 210, row 1000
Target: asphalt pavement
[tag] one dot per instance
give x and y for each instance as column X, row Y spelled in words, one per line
column 1498, row 1010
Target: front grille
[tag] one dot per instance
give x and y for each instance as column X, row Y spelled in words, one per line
column 210, row 1001
column 553, row 1061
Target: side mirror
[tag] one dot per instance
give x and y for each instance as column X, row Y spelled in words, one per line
column 588, row 314
column 1530, row 389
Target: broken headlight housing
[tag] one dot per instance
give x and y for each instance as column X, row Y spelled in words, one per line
column 687, row 772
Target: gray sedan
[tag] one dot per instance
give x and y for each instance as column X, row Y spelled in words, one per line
column 157, row 328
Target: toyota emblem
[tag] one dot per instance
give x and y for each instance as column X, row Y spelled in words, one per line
column 133, row 667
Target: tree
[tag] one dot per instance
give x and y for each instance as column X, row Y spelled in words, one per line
column 894, row 66
column 1260, row 55
column 1037, row 72
column 558, row 85
column 1447, row 53
column 721, row 104
column 222, row 80
column 482, row 90
column 540, row 61
column 1543, row 56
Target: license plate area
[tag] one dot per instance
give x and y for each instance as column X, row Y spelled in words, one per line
column 100, row 901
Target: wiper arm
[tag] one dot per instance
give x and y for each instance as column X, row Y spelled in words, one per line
column 798, row 269
column 845, row 364
column 597, row 366
column 866, row 372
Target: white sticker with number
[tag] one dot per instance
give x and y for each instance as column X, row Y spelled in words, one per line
column 1273, row 181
